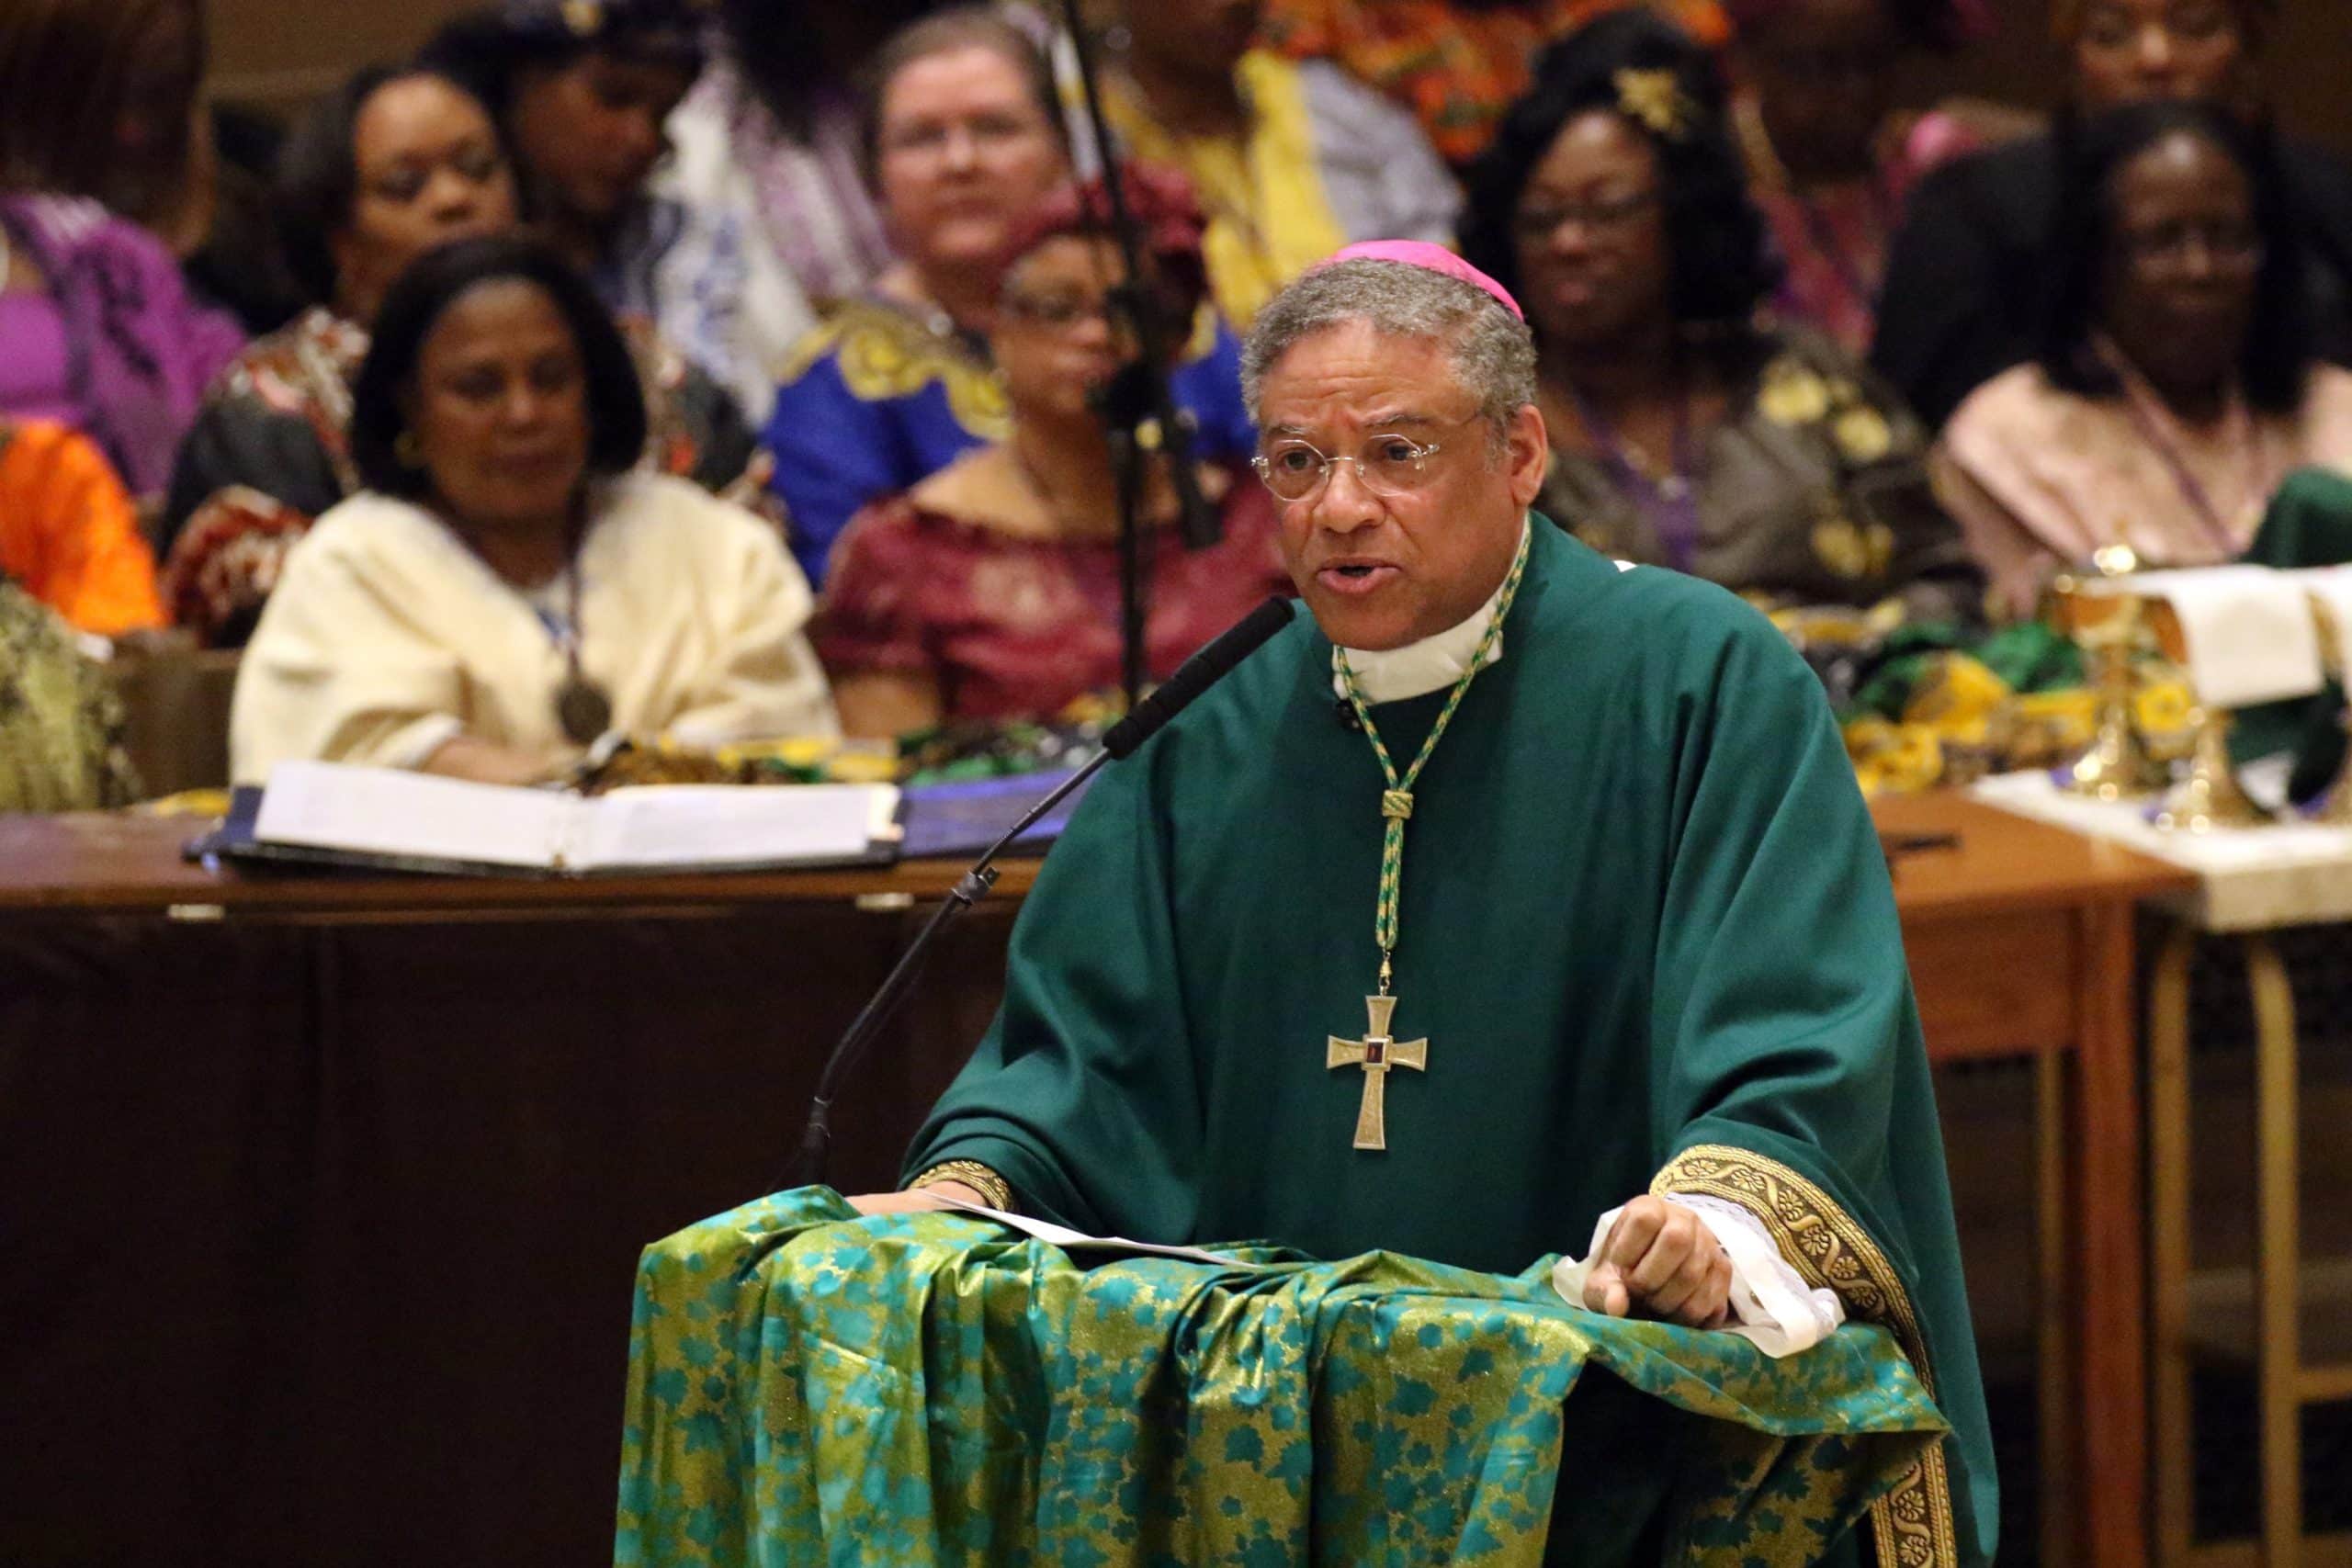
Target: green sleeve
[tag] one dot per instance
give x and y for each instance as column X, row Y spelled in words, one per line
column 1784, row 1028
column 1084, row 1093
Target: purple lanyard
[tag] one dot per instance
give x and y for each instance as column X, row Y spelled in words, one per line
column 2199, row 500
column 1670, row 502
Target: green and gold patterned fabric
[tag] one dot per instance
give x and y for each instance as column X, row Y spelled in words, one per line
column 808, row 1387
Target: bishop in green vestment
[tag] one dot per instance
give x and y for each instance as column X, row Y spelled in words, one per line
column 1638, row 933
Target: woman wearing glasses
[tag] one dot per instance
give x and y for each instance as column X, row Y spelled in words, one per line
column 2175, row 385
column 990, row 590
column 964, row 136
column 1685, row 431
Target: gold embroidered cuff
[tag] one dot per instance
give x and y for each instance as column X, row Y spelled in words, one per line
column 993, row 1188
column 1914, row 1523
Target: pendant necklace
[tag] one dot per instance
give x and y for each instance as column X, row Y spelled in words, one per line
column 1379, row 1052
column 582, row 707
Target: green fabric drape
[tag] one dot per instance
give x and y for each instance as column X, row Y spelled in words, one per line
column 935, row 1389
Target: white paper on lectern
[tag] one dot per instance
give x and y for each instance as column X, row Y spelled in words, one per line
column 1078, row 1241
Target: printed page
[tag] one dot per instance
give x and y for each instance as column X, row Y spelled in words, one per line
column 1078, row 1241
column 390, row 811
column 730, row 825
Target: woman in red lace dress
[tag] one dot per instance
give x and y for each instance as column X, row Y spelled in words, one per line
column 991, row 589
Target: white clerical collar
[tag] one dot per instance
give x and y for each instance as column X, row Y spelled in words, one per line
column 1391, row 676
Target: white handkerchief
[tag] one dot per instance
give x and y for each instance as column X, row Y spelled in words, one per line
column 2249, row 630
column 1771, row 1304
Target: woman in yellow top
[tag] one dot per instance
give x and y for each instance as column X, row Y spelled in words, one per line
column 69, row 536
column 1291, row 160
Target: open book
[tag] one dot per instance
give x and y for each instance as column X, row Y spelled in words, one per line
column 327, row 813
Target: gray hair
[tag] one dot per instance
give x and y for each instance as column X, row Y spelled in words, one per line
column 1494, row 354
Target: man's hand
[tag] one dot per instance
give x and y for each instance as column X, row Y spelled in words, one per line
column 1662, row 1261
column 921, row 1201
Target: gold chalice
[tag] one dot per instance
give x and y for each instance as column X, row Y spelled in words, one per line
column 2209, row 796
column 2108, row 625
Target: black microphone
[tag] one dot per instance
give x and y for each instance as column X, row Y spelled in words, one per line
column 1195, row 675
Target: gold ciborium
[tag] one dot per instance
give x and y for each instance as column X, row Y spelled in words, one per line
column 2109, row 626
column 2335, row 808
column 2209, row 796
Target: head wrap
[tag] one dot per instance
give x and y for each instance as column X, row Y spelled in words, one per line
column 1160, row 201
column 1429, row 258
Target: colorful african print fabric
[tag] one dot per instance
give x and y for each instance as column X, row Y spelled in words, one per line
column 879, row 399
column 808, row 1387
column 1456, row 67
column 61, row 722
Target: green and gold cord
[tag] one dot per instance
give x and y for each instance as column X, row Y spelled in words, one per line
column 1397, row 800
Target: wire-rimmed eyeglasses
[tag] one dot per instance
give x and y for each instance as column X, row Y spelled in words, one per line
column 1387, row 465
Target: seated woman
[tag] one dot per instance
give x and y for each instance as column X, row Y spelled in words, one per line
column 2176, row 384
column 965, row 138
column 392, row 163
column 69, row 536
column 991, row 589
column 1828, row 157
column 1683, row 434
column 1964, row 288
column 510, row 588
column 583, row 92
column 96, row 328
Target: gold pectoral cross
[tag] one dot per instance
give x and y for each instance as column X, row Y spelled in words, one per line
column 1376, row 1053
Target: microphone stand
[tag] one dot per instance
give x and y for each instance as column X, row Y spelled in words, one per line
column 1139, row 406
column 1195, row 675
column 816, row 1136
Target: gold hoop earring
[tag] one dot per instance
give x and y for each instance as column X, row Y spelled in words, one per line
column 407, row 451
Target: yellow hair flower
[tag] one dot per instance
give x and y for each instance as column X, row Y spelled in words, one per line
column 1657, row 100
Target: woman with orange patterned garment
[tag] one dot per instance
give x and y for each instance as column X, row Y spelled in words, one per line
column 990, row 590
column 964, row 137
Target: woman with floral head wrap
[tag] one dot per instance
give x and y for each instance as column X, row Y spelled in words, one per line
column 1684, row 432
column 991, row 588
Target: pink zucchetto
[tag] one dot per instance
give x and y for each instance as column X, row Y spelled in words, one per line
column 1430, row 258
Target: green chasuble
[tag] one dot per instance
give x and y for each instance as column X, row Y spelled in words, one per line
column 1647, row 933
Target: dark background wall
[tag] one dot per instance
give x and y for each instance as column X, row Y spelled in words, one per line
column 279, row 53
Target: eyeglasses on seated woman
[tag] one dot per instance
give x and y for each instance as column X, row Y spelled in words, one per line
column 510, row 587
